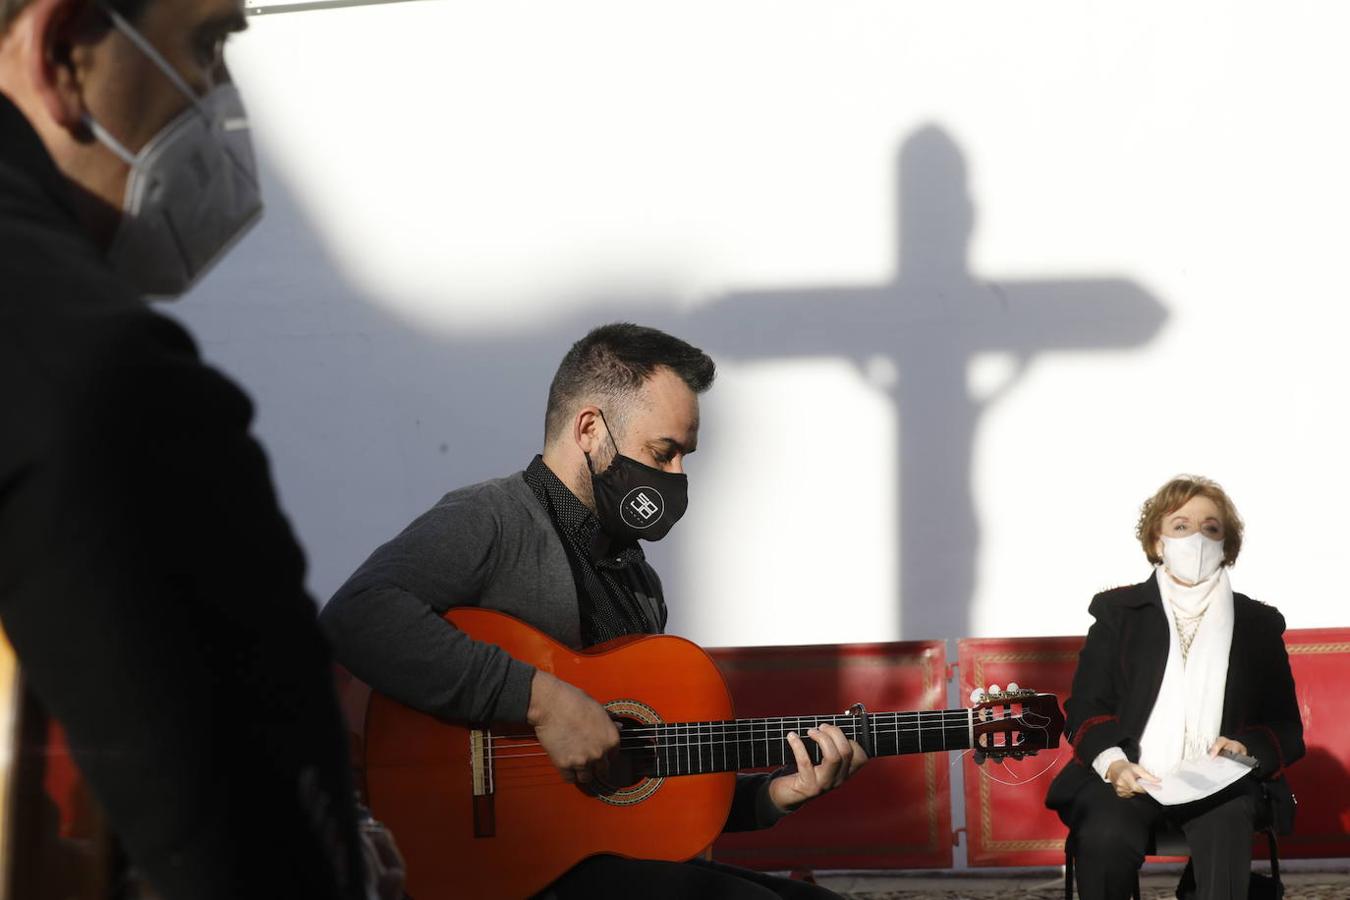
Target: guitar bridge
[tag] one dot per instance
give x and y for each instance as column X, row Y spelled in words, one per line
column 480, row 764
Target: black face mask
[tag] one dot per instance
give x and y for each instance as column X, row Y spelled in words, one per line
column 636, row 501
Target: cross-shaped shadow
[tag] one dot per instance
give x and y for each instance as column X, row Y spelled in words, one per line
column 931, row 322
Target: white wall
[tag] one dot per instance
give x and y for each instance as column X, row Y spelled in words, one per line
column 978, row 276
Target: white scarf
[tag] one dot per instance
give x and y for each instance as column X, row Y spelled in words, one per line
column 1188, row 713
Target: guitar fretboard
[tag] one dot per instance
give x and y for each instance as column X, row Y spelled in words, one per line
column 691, row 748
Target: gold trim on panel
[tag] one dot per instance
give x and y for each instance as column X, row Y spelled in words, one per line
column 930, row 770
column 1317, row 648
column 822, row 662
column 987, row 840
column 1025, row 656
column 788, row 851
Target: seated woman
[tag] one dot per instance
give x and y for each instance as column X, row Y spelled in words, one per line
column 1175, row 668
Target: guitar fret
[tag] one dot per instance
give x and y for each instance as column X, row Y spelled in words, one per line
column 712, row 750
column 701, row 747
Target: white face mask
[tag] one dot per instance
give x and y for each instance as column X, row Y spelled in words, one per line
column 1194, row 558
column 193, row 188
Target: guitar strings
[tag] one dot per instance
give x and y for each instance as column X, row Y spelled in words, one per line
column 703, row 734
column 507, row 748
column 691, row 736
column 1003, row 761
column 949, row 718
column 1003, row 764
column 527, row 769
column 879, row 719
column 517, row 775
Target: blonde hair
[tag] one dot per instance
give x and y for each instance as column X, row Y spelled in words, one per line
column 1176, row 494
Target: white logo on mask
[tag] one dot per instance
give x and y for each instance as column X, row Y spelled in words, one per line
column 642, row 507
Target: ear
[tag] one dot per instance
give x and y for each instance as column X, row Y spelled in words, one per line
column 587, row 430
column 57, row 35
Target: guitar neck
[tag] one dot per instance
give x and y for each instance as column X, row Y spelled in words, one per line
column 692, row 748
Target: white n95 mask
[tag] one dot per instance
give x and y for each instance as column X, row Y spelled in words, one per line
column 192, row 190
column 1194, row 558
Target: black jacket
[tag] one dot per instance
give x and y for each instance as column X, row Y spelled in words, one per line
column 148, row 581
column 1120, row 671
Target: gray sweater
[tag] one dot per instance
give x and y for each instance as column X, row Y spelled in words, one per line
column 490, row 545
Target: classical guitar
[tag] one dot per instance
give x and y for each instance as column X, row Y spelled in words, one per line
column 479, row 811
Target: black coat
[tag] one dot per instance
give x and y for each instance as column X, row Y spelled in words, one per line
column 1120, row 671
column 148, row 581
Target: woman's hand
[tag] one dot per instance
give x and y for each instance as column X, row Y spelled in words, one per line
column 1222, row 743
column 1129, row 778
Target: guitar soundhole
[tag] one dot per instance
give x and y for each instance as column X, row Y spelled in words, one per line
column 633, row 761
column 632, row 771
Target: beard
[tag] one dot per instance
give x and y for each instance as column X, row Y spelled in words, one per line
column 585, row 491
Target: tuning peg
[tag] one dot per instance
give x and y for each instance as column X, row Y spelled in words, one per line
column 1013, row 687
column 994, row 690
column 977, row 695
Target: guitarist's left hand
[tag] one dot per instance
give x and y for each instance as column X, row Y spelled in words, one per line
column 839, row 759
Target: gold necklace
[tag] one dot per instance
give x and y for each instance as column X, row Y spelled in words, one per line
column 1186, row 633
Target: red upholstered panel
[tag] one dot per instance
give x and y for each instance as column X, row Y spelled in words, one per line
column 62, row 782
column 896, row 813
column 1007, row 824
column 1320, row 658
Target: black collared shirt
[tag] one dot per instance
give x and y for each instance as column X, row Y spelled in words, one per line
column 608, row 577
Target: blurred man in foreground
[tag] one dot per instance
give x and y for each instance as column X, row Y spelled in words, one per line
column 148, row 580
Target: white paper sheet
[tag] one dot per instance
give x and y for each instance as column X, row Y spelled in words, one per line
column 1198, row 778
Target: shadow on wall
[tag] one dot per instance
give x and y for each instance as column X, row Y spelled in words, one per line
column 400, row 415
column 931, row 323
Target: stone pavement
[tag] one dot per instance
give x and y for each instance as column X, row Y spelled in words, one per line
column 1046, row 885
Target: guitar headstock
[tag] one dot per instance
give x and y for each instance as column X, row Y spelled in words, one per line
column 1015, row 722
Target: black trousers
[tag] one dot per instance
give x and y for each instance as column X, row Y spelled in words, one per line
column 1110, row 835
column 606, row 877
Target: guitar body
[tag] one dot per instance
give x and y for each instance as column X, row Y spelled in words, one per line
column 528, row 826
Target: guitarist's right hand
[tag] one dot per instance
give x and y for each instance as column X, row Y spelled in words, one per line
column 575, row 731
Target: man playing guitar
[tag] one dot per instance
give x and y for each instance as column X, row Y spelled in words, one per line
column 556, row 546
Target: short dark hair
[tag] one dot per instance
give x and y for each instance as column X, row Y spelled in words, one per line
column 611, row 364
column 128, row 9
